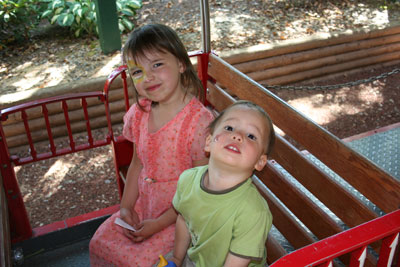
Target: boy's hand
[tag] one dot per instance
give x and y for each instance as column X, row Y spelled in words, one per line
column 145, row 229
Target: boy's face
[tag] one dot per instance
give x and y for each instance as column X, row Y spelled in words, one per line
column 239, row 139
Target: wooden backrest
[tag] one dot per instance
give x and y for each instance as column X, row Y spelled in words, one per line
column 279, row 181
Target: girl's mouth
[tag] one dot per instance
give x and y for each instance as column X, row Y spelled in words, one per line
column 153, row 88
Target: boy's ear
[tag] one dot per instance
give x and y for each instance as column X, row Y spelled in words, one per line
column 208, row 142
column 261, row 162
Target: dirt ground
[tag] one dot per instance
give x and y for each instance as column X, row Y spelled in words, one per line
column 60, row 188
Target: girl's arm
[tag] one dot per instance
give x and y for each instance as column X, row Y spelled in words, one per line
column 235, row 261
column 131, row 193
column 182, row 240
column 152, row 226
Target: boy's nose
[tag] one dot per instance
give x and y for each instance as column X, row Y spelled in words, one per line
column 237, row 137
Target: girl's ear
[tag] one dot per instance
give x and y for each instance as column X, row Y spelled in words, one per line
column 182, row 67
column 261, row 162
column 208, row 142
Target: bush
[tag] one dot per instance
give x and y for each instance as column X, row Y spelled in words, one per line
column 17, row 18
column 80, row 15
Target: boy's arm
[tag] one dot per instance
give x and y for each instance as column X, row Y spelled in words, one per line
column 182, row 240
column 235, row 261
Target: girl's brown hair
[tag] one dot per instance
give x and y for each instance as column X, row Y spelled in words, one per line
column 158, row 37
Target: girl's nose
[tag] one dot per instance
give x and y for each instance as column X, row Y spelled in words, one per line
column 149, row 76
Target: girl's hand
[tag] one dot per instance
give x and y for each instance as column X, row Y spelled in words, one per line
column 130, row 218
column 146, row 229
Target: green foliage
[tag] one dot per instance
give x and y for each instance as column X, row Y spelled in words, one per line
column 80, row 15
column 126, row 10
column 16, row 19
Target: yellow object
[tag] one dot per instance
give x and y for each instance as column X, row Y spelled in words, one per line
column 163, row 262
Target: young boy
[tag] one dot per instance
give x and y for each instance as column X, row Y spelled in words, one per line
column 223, row 220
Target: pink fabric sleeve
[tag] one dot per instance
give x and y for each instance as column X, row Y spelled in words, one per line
column 131, row 123
column 200, row 134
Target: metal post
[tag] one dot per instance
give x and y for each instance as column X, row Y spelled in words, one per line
column 203, row 59
column 107, row 23
column 205, row 23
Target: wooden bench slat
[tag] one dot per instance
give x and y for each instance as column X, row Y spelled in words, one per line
column 347, row 207
column 283, row 221
column 309, row 213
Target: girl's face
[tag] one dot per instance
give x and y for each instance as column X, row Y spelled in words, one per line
column 156, row 76
column 239, row 139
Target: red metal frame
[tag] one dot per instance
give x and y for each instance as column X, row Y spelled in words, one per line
column 19, row 221
column 354, row 242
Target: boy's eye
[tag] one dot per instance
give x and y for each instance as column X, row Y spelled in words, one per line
column 252, row 137
column 228, row 128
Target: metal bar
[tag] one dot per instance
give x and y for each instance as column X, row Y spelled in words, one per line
column 68, row 123
column 388, row 249
column 28, row 134
column 123, row 76
column 45, row 112
column 358, row 257
column 205, row 24
column 19, row 221
column 89, row 130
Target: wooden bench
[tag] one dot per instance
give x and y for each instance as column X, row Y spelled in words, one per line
column 289, row 203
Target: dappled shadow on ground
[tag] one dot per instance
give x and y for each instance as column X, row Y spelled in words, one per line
column 60, row 188
column 348, row 111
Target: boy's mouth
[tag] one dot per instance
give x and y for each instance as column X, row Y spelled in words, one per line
column 233, row 148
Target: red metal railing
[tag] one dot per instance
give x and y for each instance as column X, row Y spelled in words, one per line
column 19, row 222
column 353, row 242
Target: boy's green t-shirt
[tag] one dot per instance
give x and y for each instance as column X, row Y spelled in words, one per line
column 237, row 220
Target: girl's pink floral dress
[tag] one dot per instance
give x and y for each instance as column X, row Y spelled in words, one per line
column 165, row 154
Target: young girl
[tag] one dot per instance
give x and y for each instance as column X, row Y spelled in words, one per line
column 168, row 128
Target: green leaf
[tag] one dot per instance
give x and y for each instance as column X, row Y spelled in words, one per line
column 77, row 9
column 65, row 19
column 54, row 18
column 128, row 24
column 121, row 27
column 6, row 17
column 78, row 32
column 58, row 10
column 135, row 4
column 47, row 13
column 128, row 12
column 57, row 3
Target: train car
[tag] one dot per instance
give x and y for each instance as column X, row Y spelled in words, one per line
column 350, row 218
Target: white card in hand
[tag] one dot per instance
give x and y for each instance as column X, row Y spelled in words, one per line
column 122, row 223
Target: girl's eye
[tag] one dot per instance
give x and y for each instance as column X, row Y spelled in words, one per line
column 228, row 128
column 157, row 65
column 252, row 137
column 136, row 73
